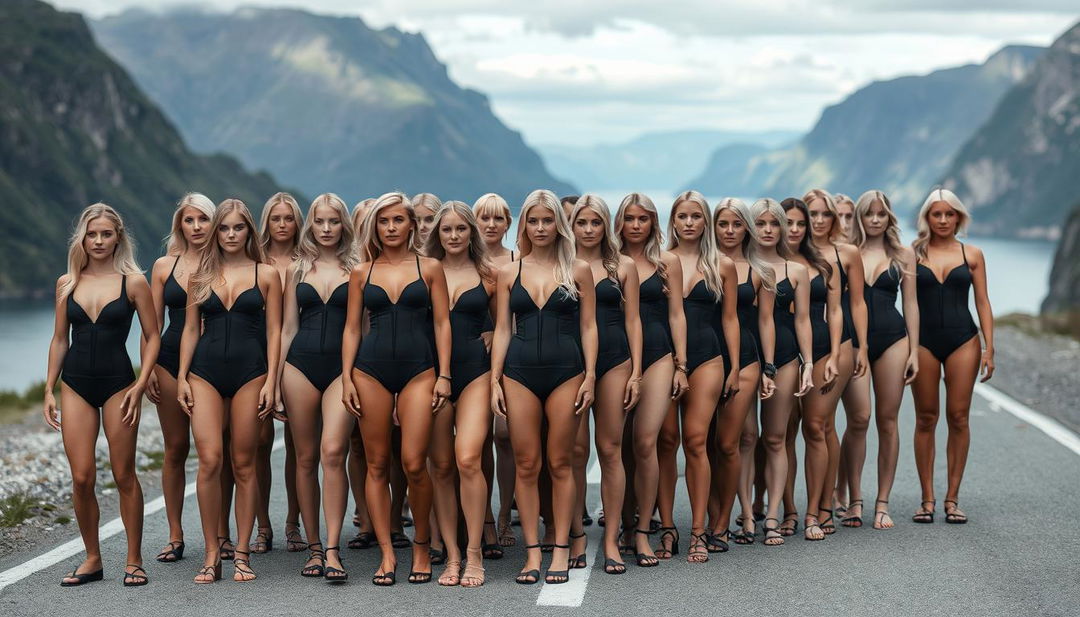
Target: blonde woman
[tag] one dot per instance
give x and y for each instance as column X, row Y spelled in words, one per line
column 949, row 343
column 236, row 299
column 316, row 301
column 189, row 233
column 892, row 338
column 547, row 368
column 98, row 385
column 393, row 366
column 425, row 205
column 663, row 361
column 845, row 215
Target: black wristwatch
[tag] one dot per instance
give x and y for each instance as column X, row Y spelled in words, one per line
column 769, row 370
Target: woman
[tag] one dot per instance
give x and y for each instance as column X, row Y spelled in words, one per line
column 316, row 300
column 365, row 535
column 548, row 369
column 190, row 231
column 734, row 465
column 815, row 410
column 892, row 339
column 279, row 225
column 95, row 374
column 949, row 343
column 663, row 361
column 793, row 339
column 493, row 218
column 223, row 375
column 845, row 214
column 618, row 369
column 825, row 234
column 425, row 205
column 713, row 284
column 461, row 429
column 394, row 366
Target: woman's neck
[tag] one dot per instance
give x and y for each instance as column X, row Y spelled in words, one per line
column 687, row 248
column 234, row 259
column 327, row 253
column 496, row 249
column 875, row 242
column 821, row 243
column 734, row 253
column 544, row 254
column 769, row 253
column 589, row 254
column 397, row 254
column 459, row 261
column 941, row 241
column 280, row 249
column 99, row 267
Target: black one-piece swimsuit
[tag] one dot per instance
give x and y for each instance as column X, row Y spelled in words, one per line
column 230, row 353
column 316, row 349
column 97, row 365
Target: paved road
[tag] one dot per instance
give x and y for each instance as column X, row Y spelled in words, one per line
column 1017, row 556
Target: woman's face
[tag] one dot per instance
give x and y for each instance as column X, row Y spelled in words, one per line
column 769, row 229
column 689, row 221
column 588, row 229
column 195, row 226
column 100, row 239
column 454, row 234
column 232, row 233
column 821, row 219
column 846, row 213
column 796, row 228
column 730, row 230
column 283, row 223
column 943, row 219
column 876, row 219
column 540, row 226
column 637, row 225
column 493, row 227
column 393, row 226
column 326, row 226
column 425, row 220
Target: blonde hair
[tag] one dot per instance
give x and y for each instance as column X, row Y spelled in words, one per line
column 652, row 250
column 477, row 249
column 176, row 243
column 707, row 254
column 609, row 245
column 265, row 237
column 564, row 240
column 830, row 204
column 307, row 249
column 359, row 213
column 893, row 247
column 774, row 208
column 838, row 199
column 492, row 204
column 427, row 200
column 123, row 255
column 936, row 195
column 370, row 246
column 212, row 256
column 750, row 248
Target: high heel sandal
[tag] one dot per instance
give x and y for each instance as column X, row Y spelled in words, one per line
column 242, row 568
column 473, row 576
column 335, row 575
column 214, row 572
column 264, row 540
column 714, row 544
column 557, row 577
column 173, row 552
column 880, row 515
column 792, row 517
column 316, row 570
column 505, row 536
column 827, row 524
column 778, row 539
column 927, row 515
column 386, row 579
column 416, row 577
column 668, row 532
column 437, row 557
column 955, row 517
column 741, row 535
column 699, row 548
column 82, row 579
column 808, row 534
column 528, row 577
column 850, row 520
column 134, row 578
column 294, row 542
column 491, row 550
column 398, row 539
column 645, row 560
column 226, row 554
column 362, row 540
column 579, row 562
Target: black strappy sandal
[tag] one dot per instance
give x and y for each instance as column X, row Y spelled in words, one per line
column 242, row 566
column 953, row 518
column 614, row 566
column 579, row 562
column 264, row 540
column 787, row 532
column 927, row 515
column 82, row 579
column 850, row 520
column 386, row 579
column 489, row 550
column 528, row 577
column 827, row 524
column 714, row 544
column 650, row 561
column 294, row 542
column 362, row 540
column 214, row 572
column 741, row 536
column 133, row 578
column 416, row 577
column 557, row 577
column 438, row 557
column 807, row 526
column 673, row 533
column 399, row 540
column 699, row 547
column 335, row 575
column 880, row 514
column 173, row 552
column 226, row 554
column 317, row 570
column 778, row 539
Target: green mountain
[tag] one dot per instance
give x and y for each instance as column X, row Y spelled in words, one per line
column 1019, row 172
column 325, row 103
column 75, row 129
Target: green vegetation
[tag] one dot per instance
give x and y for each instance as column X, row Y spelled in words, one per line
column 14, row 405
column 16, row 508
column 62, row 520
column 157, row 460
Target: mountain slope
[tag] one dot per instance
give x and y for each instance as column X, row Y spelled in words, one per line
column 323, row 102
column 74, row 129
column 1019, row 172
column 1061, row 308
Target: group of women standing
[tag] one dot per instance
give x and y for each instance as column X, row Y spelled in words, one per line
column 403, row 342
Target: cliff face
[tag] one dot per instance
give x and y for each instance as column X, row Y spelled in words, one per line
column 1018, row 172
column 326, row 103
column 1061, row 308
column 74, row 129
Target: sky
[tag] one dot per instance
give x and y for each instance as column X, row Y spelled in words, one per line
column 580, row 72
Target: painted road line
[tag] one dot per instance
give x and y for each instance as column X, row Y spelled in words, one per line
column 592, row 476
column 1052, row 428
column 75, row 546
column 570, row 593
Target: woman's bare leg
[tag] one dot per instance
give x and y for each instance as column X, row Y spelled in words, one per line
column 856, row 399
column 888, row 380
column 649, row 415
column 961, row 371
column 245, row 428
column 414, row 411
column 731, row 426
column 81, row 423
column 667, row 458
column 562, row 427
column 443, row 469
column 775, row 417
column 334, row 447
column 376, row 425
column 926, row 392
column 304, row 403
column 610, row 419
column 176, row 433
column 748, row 442
column 207, row 428
column 698, row 410
column 524, row 418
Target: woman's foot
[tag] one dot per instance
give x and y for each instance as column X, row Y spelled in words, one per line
column 813, row 531
column 699, row 548
column 853, row 516
column 451, row 574
column 315, row 567
column 264, row 540
column 925, row 513
column 506, row 534
column 578, row 546
column 173, row 552
column 386, row 575
column 490, row 547
column 827, row 524
column 242, row 572
column 547, row 545
column 559, row 570
column 135, row 576
column 882, row 520
column 362, row 540
column 209, row 572
column 669, row 543
column 474, row 568
column 226, row 548
column 790, row 524
column 421, row 563
column 745, row 534
column 294, row 542
column 335, row 570
column 953, row 514
column 530, row 574
column 773, row 537
column 88, row 571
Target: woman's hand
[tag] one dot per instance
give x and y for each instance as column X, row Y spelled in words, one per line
column 768, row 387
column 631, row 393
column 806, row 383
column 986, row 365
column 862, row 361
column 498, row 402
column 184, row 396
column 585, row 393
column 350, row 398
column 731, row 385
column 487, row 337
column 153, row 388
column 911, row 369
column 266, row 400
column 679, row 384
column 49, row 411
column 440, row 393
column 279, row 407
column 831, row 373
column 131, row 406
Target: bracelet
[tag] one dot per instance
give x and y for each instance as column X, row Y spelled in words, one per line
column 769, row 370
column 681, row 368
column 446, row 377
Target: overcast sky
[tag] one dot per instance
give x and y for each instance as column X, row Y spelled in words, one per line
column 586, row 71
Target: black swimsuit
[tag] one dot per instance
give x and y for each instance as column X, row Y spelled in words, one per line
column 749, row 352
column 610, row 327
column 845, row 304
column 885, row 325
column 545, row 350
column 469, row 357
column 819, row 327
column 702, row 344
column 655, row 329
column 97, row 365
column 230, row 353
column 176, row 301
column 787, row 344
column 397, row 346
column 945, row 322
column 316, row 349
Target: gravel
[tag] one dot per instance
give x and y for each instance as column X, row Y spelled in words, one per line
column 1040, row 370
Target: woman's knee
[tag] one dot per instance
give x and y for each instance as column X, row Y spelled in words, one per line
column 83, row 481
column 926, row 421
column 609, row 450
column 958, row 418
column 443, row 468
column 210, row 463
column 125, row 478
column 470, row 463
column 415, row 468
column 693, row 442
column 527, row 468
column 858, row 424
column 333, row 455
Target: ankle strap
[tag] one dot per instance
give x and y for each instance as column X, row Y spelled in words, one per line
column 333, row 548
column 560, row 546
column 580, row 535
column 424, row 543
column 648, row 532
column 531, row 546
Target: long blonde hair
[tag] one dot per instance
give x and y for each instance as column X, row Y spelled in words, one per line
column 477, row 249
column 830, row 205
column 176, row 243
column 123, row 255
column 265, row 237
column 307, row 250
column 652, row 250
column 774, row 208
column 370, row 246
column 490, row 204
column 936, row 195
column 609, row 245
column 707, row 254
column 359, row 213
column 893, row 247
column 750, row 248
column 564, row 241
column 212, row 255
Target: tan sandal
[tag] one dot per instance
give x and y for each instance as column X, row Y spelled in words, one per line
column 473, row 576
column 451, row 575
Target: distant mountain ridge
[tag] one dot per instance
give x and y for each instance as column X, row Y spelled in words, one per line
column 324, row 102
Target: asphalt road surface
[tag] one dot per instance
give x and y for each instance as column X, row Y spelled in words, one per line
column 1016, row 556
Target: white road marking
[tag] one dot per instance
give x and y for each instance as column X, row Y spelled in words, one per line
column 570, row 593
column 75, row 546
column 592, row 476
column 1052, row 428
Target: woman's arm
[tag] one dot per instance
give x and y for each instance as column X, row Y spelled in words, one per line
column 631, row 291
column 140, row 295
column 986, row 314
column 440, row 310
column 350, row 337
column 268, row 394
column 766, row 302
column 803, row 334
column 676, row 317
column 157, row 292
column 501, row 340
column 911, row 313
column 188, row 340
column 856, row 290
column 587, row 325
column 729, row 321
column 58, row 348
column 835, row 320
column 290, row 320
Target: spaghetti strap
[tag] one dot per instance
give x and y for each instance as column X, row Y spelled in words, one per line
column 123, row 288
column 511, row 255
column 418, row 273
column 963, row 252
column 173, row 271
column 256, row 274
column 368, row 279
column 749, row 273
column 839, row 262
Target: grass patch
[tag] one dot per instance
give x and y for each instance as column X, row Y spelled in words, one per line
column 14, row 405
column 14, row 509
column 62, row 520
column 110, row 484
column 157, row 460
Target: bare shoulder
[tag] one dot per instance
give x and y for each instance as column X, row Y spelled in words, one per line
column 973, row 253
column 430, row 266
column 582, row 268
column 797, row 270
column 907, row 255
column 136, row 282
column 669, row 259
column 848, row 250
column 60, row 282
column 625, row 261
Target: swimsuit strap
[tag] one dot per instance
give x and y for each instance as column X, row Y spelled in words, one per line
column 368, row 279
column 749, row 275
column 785, row 269
column 964, row 253
column 256, row 275
column 418, row 273
column 511, row 255
column 838, row 261
column 173, row 271
column 123, row 289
